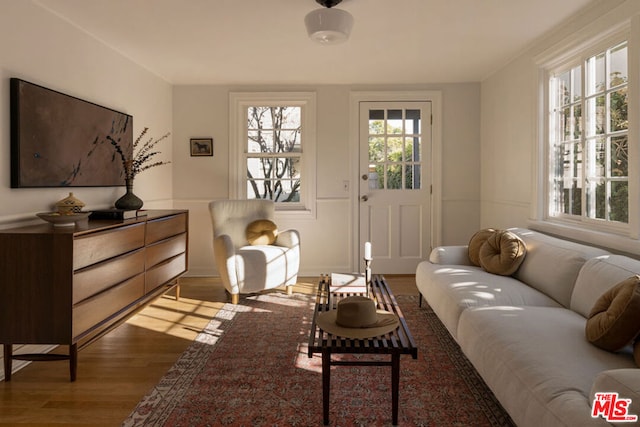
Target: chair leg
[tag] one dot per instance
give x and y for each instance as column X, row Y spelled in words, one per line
column 235, row 298
column 290, row 290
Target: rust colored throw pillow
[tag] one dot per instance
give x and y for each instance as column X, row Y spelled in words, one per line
column 262, row 232
column 476, row 242
column 614, row 320
column 502, row 253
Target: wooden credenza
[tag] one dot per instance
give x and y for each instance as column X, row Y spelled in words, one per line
column 71, row 285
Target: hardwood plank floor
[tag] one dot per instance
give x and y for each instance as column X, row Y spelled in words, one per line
column 115, row 372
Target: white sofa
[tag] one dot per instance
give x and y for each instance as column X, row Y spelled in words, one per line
column 525, row 334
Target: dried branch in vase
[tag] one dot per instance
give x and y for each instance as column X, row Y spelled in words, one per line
column 143, row 158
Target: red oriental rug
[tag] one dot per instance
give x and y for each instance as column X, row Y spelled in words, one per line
column 249, row 367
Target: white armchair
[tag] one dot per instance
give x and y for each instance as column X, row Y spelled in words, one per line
column 246, row 268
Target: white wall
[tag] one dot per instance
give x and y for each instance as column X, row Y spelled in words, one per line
column 508, row 134
column 37, row 46
column 510, row 123
column 327, row 240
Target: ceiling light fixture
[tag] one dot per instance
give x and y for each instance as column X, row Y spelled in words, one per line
column 329, row 26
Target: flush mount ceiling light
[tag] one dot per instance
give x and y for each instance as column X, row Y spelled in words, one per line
column 329, row 26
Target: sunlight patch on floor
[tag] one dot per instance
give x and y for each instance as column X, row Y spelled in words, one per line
column 183, row 319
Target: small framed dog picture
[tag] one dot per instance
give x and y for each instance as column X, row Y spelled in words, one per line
column 201, row 147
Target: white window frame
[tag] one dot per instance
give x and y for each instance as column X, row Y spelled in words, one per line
column 621, row 237
column 239, row 102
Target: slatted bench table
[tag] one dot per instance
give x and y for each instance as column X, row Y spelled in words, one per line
column 395, row 343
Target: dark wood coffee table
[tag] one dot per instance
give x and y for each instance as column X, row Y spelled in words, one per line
column 394, row 343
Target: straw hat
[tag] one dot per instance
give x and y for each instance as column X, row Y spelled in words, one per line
column 357, row 317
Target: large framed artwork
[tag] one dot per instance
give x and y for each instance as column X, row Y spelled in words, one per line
column 58, row 140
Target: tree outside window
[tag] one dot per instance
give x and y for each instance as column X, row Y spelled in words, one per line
column 272, row 149
column 273, row 153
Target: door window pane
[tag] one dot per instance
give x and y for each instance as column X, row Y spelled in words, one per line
column 376, row 149
column 394, row 122
column 412, row 122
column 394, row 177
column 412, row 177
column 394, row 149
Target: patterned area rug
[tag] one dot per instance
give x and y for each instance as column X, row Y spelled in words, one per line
column 250, row 367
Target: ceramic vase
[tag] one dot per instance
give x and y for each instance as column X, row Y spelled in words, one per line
column 129, row 201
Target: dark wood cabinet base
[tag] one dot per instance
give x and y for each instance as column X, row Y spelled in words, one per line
column 70, row 287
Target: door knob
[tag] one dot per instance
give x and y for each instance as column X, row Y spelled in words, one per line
column 364, row 198
column 365, row 177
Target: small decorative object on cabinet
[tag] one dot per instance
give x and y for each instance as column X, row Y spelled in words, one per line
column 129, row 201
column 70, row 204
column 68, row 213
column 69, row 287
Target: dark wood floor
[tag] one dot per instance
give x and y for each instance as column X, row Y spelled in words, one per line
column 115, row 372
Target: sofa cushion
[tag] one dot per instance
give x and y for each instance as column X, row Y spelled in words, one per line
column 476, row 242
column 502, row 253
column 552, row 264
column 450, row 289
column 261, row 232
column 614, row 320
column 599, row 275
column 537, row 362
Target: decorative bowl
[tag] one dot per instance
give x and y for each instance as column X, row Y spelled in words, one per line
column 63, row 219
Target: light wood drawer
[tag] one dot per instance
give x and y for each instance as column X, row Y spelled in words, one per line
column 162, row 273
column 98, row 277
column 165, row 249
column 90, row 312
column 161, row 228
column 103, row 245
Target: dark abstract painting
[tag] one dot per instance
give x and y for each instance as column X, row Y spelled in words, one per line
column 61, row 141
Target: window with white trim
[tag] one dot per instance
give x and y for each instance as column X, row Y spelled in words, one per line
column 588, row 149
column 273, row 148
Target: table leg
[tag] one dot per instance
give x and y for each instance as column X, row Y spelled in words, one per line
column 73, row 361
column 395, row 383
column 326, row 384
column 8, row 358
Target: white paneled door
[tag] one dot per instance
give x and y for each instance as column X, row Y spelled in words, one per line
column 395, row 183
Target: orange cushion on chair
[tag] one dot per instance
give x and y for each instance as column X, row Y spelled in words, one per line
column 262, row 232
